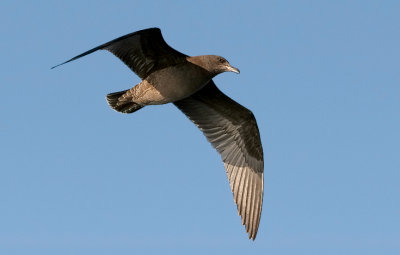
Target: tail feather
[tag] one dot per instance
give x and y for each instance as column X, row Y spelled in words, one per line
column 122, row 102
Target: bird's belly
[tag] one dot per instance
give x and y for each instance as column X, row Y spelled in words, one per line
column 175, row 83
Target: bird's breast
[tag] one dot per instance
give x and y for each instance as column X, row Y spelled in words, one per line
column 177, row 82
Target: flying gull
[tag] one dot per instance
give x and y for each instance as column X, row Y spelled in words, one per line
column 169, row 76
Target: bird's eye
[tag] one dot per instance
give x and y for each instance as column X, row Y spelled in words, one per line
column 221, row 60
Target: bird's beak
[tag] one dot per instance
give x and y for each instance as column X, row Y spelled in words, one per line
column 230, row 68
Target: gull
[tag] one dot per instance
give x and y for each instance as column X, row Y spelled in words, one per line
column 169, row 76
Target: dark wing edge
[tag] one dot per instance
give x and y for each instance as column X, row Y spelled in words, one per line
column 101, row 47
column 143, row 51
column 233, row 132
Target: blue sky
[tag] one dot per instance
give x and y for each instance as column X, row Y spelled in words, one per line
column 321, row 77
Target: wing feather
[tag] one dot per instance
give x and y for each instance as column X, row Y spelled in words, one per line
column 143, row 51
column 232, row 130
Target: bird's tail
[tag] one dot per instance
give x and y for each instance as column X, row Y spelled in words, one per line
column 122, row 102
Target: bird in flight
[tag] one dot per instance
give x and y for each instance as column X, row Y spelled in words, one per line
column 169, row 76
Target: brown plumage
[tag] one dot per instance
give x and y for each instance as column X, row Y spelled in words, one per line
column 169, row 76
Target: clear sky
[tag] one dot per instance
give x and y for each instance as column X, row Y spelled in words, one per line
column 322, row 78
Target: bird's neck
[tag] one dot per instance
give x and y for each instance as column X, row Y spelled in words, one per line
column 203, row 63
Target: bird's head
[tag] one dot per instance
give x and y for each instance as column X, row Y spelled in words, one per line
column 216, row 65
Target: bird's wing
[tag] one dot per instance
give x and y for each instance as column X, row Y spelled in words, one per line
column 233, row 132
column 144, row 51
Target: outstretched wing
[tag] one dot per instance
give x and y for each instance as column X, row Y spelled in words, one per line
column 144, row 51
column 233, row 132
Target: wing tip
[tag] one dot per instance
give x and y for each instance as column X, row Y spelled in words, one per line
column 106, row 44
column 252, row 236
column 58, row 65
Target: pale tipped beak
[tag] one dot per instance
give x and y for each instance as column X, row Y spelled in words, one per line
column 232, row 69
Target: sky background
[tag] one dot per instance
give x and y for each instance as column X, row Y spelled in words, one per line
column 321, row 77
